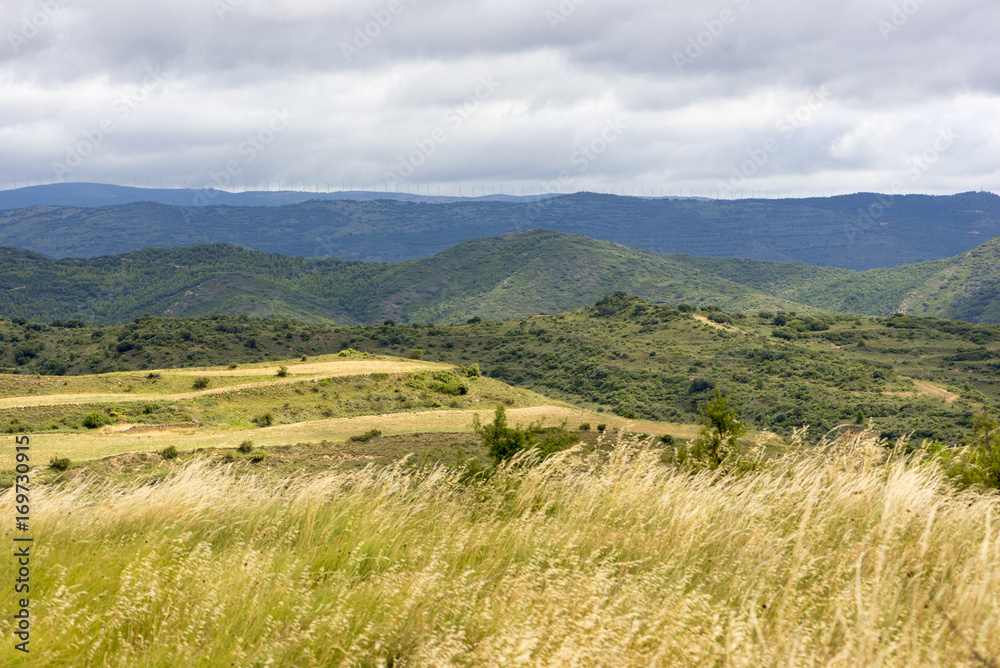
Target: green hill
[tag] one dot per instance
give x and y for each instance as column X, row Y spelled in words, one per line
column 510, row 276
column 504, row 277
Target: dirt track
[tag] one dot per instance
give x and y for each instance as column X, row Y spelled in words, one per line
column 95, row 445
column 296, row 373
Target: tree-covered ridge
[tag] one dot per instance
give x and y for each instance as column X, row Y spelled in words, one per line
column 497, row 278
column 859, row 231
column 511, row 276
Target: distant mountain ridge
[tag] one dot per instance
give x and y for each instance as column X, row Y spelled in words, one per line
column 101, row 194
column 860, row 231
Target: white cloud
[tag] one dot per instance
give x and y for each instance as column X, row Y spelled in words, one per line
column 227, row 65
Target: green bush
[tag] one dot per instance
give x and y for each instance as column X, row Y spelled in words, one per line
column 504, row 442
column 169, row 452
column 472, row 371
column 720, row 432
column 245, row 447
column 367, row 436
column 584, row 426
column 602, row 427
column 978, row 463
column 265, row 420
column 201, row 383
column 95, row 420
column 258, row 456
column 282, row 372
column 415, row 354
column 59, row 463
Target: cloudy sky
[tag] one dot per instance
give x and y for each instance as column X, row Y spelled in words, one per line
column 645, row 96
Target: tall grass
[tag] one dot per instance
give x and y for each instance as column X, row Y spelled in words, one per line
column 834, row 558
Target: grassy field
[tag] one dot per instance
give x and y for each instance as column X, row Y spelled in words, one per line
column 324, row 399
column 831, row 557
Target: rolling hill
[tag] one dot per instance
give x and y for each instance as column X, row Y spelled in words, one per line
column 496, row 278
column 511, row 276
column 861, row 231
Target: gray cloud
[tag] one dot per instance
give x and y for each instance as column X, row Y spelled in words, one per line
column 390, row 93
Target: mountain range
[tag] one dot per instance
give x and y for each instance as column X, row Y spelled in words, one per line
column 861, row 231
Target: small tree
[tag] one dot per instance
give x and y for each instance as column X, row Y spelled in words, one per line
column 501, row 441
column 720, row 432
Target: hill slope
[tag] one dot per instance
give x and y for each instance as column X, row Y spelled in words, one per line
column 505, row 277
column 834, row 231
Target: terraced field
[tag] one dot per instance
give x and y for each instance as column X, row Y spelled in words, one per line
column 325, row 399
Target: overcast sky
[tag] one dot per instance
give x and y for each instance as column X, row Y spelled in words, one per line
column 643, row 96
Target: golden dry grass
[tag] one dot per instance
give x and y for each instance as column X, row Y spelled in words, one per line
column 829, row 558
column 110, row 441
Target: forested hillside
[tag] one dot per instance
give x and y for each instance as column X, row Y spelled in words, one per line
column 498, row 278
column 860, row 231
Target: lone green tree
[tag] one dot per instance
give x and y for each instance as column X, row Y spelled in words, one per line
column 720, row 431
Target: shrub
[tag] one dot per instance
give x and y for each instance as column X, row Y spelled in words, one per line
column 978, row 463
column 602, row 427
column 59, row 463
column 95, row 420
column 415, row 354
column 201, row 383
column 667, row 439
column 585, row 426
column 720, row 432
column 472, row 371
column 504, row 442
column 367, row 436
column 245, row 447
column 258, row 456
column 265, row 420
column 169, row 452
column 282, row 372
